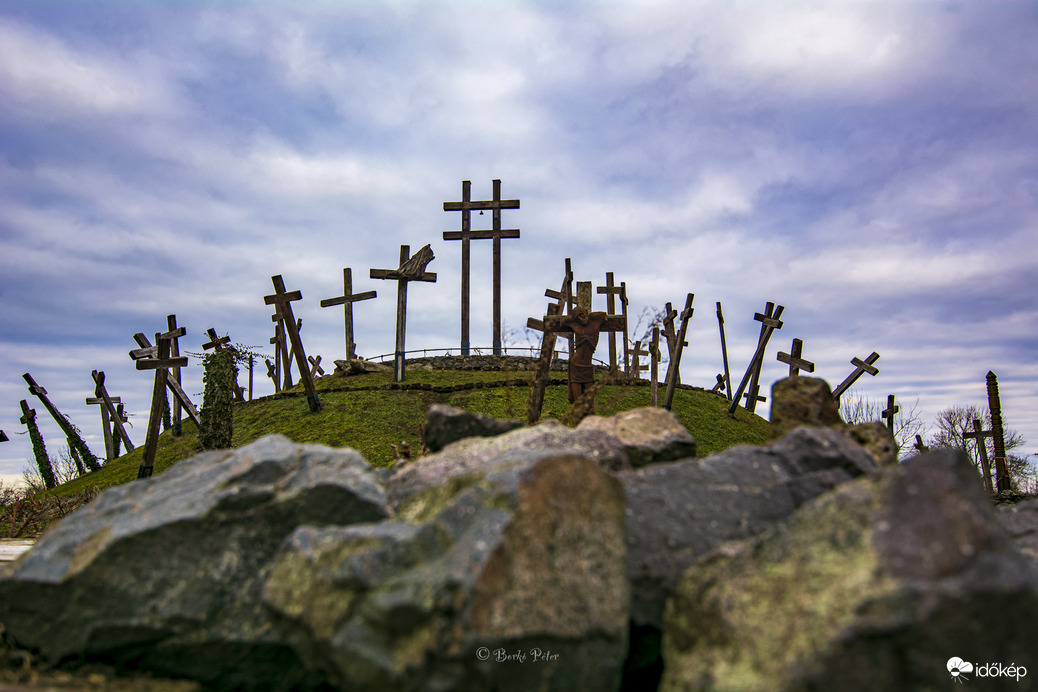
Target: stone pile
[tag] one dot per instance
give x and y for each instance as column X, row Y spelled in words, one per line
column 603, row 557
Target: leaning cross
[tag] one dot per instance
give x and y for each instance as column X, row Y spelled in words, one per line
column 724, row 353
column 217, row 343
column 346, row 300
column 999, row 440
column 769, row 323
column 753, row 396
column 174, row 352
column 979, row 434
column 109, row 416
column 282, row 302
column 315, row 366
column 272, row 374
column 721, row 382
column 610, row 290
column 4, row 437
column 888, row 414
column 147, row 351
column 412, row 268
column 160, row 364
column 654, row 367
column 540, row 382
column 63, row 423
column 675, row 360
column 860, row 367
column 465, row 206
column 794, row 361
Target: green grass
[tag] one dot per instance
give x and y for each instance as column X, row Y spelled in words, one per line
column 369, row 420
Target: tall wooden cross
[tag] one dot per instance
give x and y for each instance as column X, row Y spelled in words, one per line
column 675, row 360
column 888, row 413
column 610, row 291
column 217, row 343
column 66, row 427
column 548, row 338
column 769, row 323
column 465, row 206
column 147, row 351
column 109, row 416
column 724, row 353
column 346, row 300
column 282, row 302
column 753, row 395
column 999, row 440
column 860, row 367
column 174, row 351
column 794, row 361
column 412, row 268
column 161, row 364
column 979, row 434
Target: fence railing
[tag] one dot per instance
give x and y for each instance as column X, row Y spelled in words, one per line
column 473, row 351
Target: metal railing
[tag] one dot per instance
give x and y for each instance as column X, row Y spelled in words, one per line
column 474, row 351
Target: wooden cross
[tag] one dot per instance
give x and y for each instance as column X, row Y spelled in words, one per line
column 346, row 300
column 888, row 414
column 794, row 361
column 161, row 364
column 754, row 391
column 281, row 357
column 769, row 323
column 540, row 382
column 919, row 446
column 109, row 416
column 282, row 302
column 174, row 351
column 654, row 368
column 147, row 352
column 315, row 366
column 627, row 339
column 860, row 367
column 63, row 422
column 120, row 415
column 999, row 441
column 272, row 374
column 724, row 354
column 635, row 369
column 217, row 343
column 721, row 382
column 412, row 268
column 979, row 434
column 610, row 291
column 465, row 206
column 680, row 343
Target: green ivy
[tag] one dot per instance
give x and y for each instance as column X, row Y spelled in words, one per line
column 39, row 450
column 217, row 415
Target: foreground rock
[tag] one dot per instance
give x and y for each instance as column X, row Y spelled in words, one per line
column 874, row 586
column 446, row 424
column 166, row 574
column 648, row 435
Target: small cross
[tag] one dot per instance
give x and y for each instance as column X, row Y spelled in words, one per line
column 721, row 381
column 315, row 366
column 860, row 367
column 795, row 362
column 888, row 414
column 346, row 300
column 215, row 342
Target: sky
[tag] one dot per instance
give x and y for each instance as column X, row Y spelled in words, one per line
column 870, row 166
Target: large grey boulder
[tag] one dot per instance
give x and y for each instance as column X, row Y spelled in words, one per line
column 508, row 575
column 873, row 586
column 166, row 574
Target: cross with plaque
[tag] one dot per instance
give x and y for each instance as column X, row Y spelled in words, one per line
column 412, row 268
column 465, row 206
column 282, row 302
column 860, row 367
column 346, row 300
column 161, row 364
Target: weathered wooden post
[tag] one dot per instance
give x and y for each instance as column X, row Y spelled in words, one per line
column 110, row 416
column 465, row 206
column 217, row 343
column 794, row 361
column 919, row 446
column 769, row 323
column 675, row 361
column 635, row 367
column 120, row 415
column 315, row 366
column 721, row 381
column 610, row 291
column 724, row 353
column 860, row 367
column 540, row 382
column 77, row 447
column 999, row 440
column 753, row 394
column 146, row 352
column 39, row 449
column 282, row 300
column 346, row 300
column 627, row 338
column 160, row 364
column 654, row 368
column 412, row 268
column 273, row 374
column 888, row 413
column 176, row 412
column 978, row 434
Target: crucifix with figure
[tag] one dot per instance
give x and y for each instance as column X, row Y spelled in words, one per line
column 412, row 268
column 465, row 206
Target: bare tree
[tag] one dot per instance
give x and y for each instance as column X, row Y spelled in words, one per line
column 65, row 469
column 954, row 421
column 907, row 423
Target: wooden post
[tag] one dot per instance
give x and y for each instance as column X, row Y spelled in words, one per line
column 635, row 367
column 282, row 301
column 979, row 434
column 465, row 206
column 860, row 367
column 654, row 367
column 252, row 362
column 273, row 374
column 120, row 415
column 675, row 361
column 627, row 338
column 160, row 364
column 174, row 352
column 769, row 323
column 540, row 382
column 753, row 395
column 724, row 353
column 146, row 352
column 888, row 414
column 670, row 333
column 217, row 343
column 412, row 268
column 110, row 416
column 75, row 441
column 919, row 446
column 346, row 300
column 610, row 291
column 794, row 361
column 998, row 441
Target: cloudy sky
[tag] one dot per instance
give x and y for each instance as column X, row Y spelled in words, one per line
column 871, row 166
